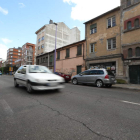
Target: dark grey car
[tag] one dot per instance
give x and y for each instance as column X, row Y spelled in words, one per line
column 99, row 77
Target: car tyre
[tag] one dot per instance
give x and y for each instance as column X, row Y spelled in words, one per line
column 108, row 85
column 75, row 81
column 29, row 87
column 99, row 83
column 15, row 83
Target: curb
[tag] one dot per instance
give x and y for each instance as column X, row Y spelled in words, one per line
column 131, row 88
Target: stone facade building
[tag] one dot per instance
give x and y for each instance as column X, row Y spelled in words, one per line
column 103, row 41
column 130, row 39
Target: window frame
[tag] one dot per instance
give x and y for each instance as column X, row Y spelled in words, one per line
column 136, row 52
column 111, row 21
column 129, row 53
column 128, row 25
column 94, row 29
column 79, row 46
column 68, row 53
column 138, row 23
column 112, row 48
column 93, row 47
column 128, row 3
column 58, row 55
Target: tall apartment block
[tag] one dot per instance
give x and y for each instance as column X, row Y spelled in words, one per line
column 28, row 54
column 13, row 54
column 46, row 37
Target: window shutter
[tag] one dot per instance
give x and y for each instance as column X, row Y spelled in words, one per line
column 95, row 47
column 93, row 26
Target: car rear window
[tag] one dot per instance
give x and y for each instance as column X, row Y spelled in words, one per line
column 110, row 73
column 96, row 72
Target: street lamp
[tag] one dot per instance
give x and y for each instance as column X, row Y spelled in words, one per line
column 55, row 47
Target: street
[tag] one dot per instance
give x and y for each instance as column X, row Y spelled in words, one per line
column 78, row 112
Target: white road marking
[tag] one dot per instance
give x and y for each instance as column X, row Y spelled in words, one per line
column 6, row 107
column 130, row 102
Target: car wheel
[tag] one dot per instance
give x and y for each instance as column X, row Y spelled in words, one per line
column 75, row 81
column 99, row 83
column 29, row 87
column 15, row 83
column 108, row 85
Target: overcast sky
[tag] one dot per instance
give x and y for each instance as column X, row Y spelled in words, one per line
column 20, row 19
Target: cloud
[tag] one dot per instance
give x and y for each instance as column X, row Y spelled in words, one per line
column 21, row 5
column 3, row 51
column 4, row 11
column 6, row 41
column 84, row 10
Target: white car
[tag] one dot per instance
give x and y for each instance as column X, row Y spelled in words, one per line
column 35, row 77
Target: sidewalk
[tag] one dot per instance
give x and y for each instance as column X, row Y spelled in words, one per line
column 127, row 86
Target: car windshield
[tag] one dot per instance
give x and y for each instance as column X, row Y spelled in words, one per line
column 38, row 69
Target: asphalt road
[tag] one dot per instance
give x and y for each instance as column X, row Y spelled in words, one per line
column 78, row 112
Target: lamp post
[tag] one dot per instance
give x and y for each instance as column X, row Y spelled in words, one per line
column 55, row 47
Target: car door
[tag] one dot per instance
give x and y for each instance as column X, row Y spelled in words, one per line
column 18, row 75
column 83, row 77
column 92, row 76
column 23, row 76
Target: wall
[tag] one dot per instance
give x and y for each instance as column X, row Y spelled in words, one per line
column 69, row 65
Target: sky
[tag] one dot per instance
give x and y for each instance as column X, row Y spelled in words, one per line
column 20, row 19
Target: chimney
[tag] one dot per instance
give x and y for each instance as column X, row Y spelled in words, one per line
column 51, row 21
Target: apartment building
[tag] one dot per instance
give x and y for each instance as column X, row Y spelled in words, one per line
column 130, row 39
column 70, row 59
column 45, row 41
column 28, row 54
column 103, row 41
column 13, row 54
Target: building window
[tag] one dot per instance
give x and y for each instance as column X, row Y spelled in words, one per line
column 93, row 28
column 42, row 37
column 129, row 26
column 42, row 46
column 137, row 23
column 92, row 47
column 111, row 22
column 39, row 48
column 111, row 43
column 137, row 51
column 79, row 50
column 128, row 2
column 58, row 55
column 67, row 53
column 44, row 59
column 51, row 60
column 38, row 40
column 129, row 52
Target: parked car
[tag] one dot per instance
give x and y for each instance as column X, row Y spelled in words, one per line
column 65, row 76
column 0, row 73
column 98, row 77
column 35, row 77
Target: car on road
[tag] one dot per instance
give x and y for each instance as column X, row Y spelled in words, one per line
column 0, row 73
column 36, row 77
column 98, row 77
column 67, row 77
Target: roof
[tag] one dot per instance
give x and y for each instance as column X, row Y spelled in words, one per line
column 71, row 44
column 117, row 8
column 40, row 29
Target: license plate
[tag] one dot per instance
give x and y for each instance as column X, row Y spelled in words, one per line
column 67, row 76
column 113, row 78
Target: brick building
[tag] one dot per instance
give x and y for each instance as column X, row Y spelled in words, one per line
column 103, row 41
column 130, row 39
column 28, row 54
column 13, row 54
